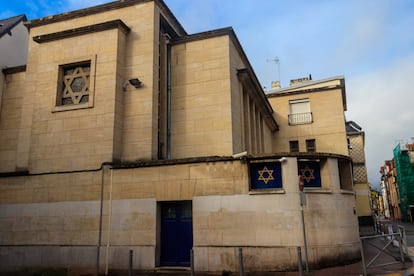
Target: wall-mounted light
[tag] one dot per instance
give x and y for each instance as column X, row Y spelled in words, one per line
column 135, row 82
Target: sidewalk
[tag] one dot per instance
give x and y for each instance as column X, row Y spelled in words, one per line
column 370, row 251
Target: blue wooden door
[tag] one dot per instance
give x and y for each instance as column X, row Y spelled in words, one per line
column 176, row 233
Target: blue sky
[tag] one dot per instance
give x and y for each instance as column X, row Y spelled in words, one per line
column 370, row 42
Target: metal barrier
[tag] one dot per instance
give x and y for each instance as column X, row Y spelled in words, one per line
column 386, row 237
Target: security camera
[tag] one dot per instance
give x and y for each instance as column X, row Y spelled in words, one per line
column 283, row 159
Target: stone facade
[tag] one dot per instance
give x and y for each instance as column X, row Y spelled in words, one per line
column 389, row 177
column 82, row 184
column 327, row 103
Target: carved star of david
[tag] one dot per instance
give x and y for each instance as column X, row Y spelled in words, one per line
column 269, row 175
column 76, row 85
column 307, row 174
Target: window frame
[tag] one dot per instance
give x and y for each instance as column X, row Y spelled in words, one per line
column 317, row 162
column 310, row 148
column 291, row 147
column 91, row 60
column 346, row 182
column 276, row 173
column 307, row 115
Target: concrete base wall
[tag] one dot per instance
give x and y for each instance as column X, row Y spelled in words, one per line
column 211, row 259
column 14, row 258
column 226, row 216
column 256, row 259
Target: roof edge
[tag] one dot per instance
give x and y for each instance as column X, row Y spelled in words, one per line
column 15, row 69
column 99, row 9
column 308, row 83
column 83, row 30
column 301, row 88
column 19, row 18
column 203, row 35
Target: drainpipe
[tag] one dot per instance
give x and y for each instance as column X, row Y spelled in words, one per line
column 168, row 100
column 98, row 249
column 108, row 241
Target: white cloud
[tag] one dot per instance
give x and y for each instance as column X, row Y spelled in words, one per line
column 381, row 102
column 362, row 32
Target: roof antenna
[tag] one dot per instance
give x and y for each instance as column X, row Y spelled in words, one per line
column 276, row 61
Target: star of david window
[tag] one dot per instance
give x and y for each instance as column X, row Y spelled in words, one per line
column 265, row 175
column 74, row 85
column 310, row 172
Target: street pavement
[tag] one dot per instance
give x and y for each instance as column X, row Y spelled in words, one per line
column 371, row 249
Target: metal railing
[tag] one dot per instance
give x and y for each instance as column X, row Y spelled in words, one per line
column 390, row 240
column 300, row 118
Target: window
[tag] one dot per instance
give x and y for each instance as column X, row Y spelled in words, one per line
column 300, row 112
column 310, row 170
column 294, row 146
column 310, row 145
column 75, row 85
column 345, row 175
column 265, row 175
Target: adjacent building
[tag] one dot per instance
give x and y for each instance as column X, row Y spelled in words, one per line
column 356, row 145
column 312, row 113
column 404, row 168
column 14, row 39
column 123, row 132
column 13, row 42
column 389, row 180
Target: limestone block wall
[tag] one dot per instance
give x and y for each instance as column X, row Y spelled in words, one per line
column 246, row 123
column 208, row 106
column 123, row 122
column 79, row 138
column 267, row 226
column 61, row 213
column 49, row 220
column 201, row 106
column 327, row 128
column 10, row 117
column 55, row 221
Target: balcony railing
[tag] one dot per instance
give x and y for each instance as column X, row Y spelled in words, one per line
column 300, row 118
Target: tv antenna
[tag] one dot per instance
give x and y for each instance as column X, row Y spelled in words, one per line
column 276, row 61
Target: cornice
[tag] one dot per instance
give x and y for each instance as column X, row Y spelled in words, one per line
column 114, row 24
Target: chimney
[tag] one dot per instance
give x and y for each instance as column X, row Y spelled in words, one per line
column 275, row 85
column 301, row 80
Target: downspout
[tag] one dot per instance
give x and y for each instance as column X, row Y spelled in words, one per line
column 108, row 241
column 168, row 100
column 98, row 253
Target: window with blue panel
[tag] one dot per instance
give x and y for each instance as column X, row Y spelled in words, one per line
column 265, row 175
column 310, row 171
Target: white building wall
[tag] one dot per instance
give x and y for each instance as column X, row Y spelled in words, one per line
column 13, row 48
